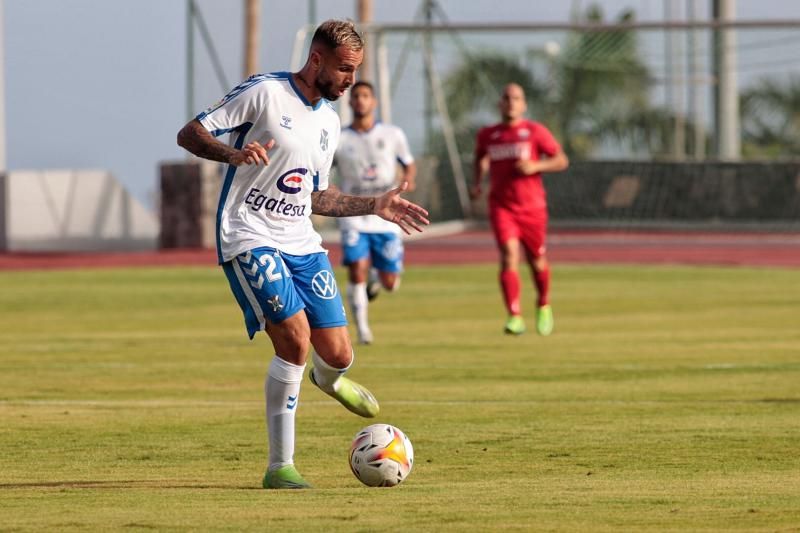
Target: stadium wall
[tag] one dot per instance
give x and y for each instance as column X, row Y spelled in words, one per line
column 71, row 210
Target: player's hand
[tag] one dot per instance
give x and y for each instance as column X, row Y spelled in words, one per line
column 253, row 153
column 405, row 214
column 528, row 166
column 475, row 191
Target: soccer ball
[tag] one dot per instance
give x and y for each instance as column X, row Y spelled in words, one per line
column 381, row 456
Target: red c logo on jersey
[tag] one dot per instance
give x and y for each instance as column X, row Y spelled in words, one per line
column 290, row 182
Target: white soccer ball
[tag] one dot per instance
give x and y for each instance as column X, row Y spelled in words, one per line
column 381, row 456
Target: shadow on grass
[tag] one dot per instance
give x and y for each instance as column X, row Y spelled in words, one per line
column 122, row 484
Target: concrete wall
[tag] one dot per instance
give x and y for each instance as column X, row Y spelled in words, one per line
column 71, row 210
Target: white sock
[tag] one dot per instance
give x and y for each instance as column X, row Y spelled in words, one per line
column 357, row 298
column 373, row 275
column 325, row 376
column 282, row 390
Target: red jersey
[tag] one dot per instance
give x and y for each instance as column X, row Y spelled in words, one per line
column 505, row 145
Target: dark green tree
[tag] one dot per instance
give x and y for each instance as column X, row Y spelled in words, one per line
column 595, row 91
column 771, row 119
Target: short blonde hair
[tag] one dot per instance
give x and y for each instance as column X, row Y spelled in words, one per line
column 335, row 33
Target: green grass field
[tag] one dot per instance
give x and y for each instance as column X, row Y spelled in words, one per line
column 668, row 398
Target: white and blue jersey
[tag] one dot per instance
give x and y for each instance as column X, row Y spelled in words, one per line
column 366, row 165
column 271, row 205
column 266, row 244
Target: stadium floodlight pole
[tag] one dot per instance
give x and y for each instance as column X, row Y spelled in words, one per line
column 726, row 89
column 364, row 8
column 312, row 12
column 384, row 85
column 252, row 20
column 2, row 91
column 675, row 82
column 189, row 61
column 427, row 52
column 695, row 94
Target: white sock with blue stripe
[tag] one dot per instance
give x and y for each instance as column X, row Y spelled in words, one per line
column 282, row 390
column 325, row 376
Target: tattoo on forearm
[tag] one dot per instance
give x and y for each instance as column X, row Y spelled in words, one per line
column 333, row 203
column 197, row 140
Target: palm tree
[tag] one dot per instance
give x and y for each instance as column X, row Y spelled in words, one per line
column 597, row 81
column 771, row 119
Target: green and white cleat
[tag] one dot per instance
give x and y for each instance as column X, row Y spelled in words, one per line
column 544, row 320
column 286, row 477
column 515, row 325
column 356, row 398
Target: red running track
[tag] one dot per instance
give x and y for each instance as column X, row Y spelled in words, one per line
column 745, row 249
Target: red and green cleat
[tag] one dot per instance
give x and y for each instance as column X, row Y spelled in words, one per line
column 286, row 477
column 544, row 320
column 515, row 325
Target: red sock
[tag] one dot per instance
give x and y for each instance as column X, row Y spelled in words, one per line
column 509, row 282
column 542, row 281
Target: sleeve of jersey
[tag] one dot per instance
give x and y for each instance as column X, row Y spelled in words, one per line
column 480, row 144
column 238, row 109
column 546, row 142
column 402, row 150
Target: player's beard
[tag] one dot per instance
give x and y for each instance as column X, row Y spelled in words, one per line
column 325, row 88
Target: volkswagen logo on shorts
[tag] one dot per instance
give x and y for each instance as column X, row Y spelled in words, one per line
column 324, row 285
column 290, row 182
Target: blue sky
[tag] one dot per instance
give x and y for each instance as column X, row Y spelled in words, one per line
column 101, row 83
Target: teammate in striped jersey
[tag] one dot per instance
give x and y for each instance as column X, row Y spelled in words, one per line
column 366, row 164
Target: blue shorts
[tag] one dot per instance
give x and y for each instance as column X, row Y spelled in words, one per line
column 385, row 250
column 271, row 286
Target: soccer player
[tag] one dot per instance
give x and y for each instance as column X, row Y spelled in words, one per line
column 366, row 162
column 283, row 134
column 516, row 152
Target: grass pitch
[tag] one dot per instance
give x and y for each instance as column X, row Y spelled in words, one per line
column 666, row 399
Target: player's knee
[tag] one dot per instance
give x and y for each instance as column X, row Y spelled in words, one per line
column 337, row 356
column 333, row 346
column 391, row 283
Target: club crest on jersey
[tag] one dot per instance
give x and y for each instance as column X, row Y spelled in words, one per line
column 286, row 122
column 323, row 140
column 291, row 181
column 524, row 133
column 275, row 301
column 371, row 173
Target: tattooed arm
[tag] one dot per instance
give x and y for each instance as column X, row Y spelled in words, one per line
column 334, row 203
column 197, row 140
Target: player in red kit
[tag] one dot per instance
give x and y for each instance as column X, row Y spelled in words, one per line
column 516, row 152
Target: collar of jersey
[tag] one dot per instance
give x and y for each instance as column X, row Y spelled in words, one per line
column 300, row 94
column 374, row 124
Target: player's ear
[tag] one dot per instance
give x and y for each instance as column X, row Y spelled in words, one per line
column 315, row 58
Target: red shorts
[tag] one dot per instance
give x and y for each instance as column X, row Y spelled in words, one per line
column 529, row 228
